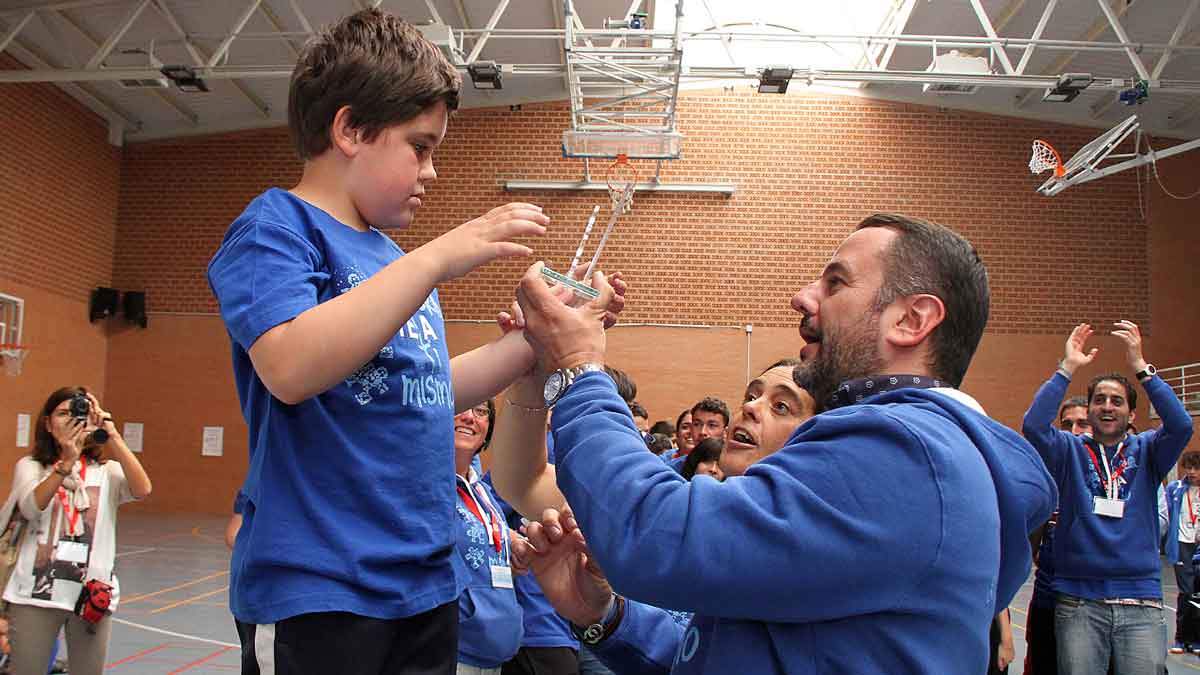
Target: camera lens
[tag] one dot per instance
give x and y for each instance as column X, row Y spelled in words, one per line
column 100, row 436
column 80, row 406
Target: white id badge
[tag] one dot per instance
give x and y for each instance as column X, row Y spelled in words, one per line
column 72, row 551
column 502, row 576
column 1113, row 508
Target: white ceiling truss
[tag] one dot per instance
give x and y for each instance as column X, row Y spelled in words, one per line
column 616, row 78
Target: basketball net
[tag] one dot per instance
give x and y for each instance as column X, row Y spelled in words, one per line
column 1045, row 157
column 621, row 177
column 13, row 357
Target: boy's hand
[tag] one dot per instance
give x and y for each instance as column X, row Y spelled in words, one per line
column 480, row 241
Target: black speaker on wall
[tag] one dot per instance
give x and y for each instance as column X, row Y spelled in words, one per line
column 104, row 303
column 134, row 307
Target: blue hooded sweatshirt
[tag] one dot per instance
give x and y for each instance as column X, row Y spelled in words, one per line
column 769, row 554
column 490, row 620
column 1097, row 557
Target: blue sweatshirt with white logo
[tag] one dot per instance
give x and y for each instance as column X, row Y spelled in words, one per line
column 769, row 554
column 1095, row 556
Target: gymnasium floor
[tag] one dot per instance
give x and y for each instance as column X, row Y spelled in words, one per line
column 174, row 615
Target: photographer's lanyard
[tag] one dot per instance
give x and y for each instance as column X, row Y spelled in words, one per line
column 1191, row 511
column 70, row 512
column 492, row 525
column 1109, row 477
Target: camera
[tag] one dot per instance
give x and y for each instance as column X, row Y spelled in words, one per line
column 80, row 407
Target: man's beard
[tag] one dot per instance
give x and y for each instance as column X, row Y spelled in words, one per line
column 844, row 358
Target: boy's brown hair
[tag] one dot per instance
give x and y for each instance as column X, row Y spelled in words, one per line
column 375, row 62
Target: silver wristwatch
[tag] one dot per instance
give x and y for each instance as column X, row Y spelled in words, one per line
column 560, row 380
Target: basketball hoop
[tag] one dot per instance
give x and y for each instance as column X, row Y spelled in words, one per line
column 621, row 177
column 1045, row 157
column 13, row 356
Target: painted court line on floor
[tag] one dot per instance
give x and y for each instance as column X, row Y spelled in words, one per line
column 197, row 662
column 134, row 657
column 189, row 601
column 172, row 633
column 136, row 598
column 136, row 551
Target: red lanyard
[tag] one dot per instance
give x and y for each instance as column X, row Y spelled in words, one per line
column 1110, row 486
column 493, row 527
column 1191, row 511
column 69, row 511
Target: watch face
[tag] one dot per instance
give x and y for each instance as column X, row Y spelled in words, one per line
column 553, row 388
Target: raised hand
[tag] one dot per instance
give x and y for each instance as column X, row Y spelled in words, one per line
column 71, row 438
column 1074, row 354
column 563, row 566
column 560, row 335
column 482, row 240
column 1128, row 332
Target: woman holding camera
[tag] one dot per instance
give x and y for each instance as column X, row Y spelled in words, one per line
column 68, row 490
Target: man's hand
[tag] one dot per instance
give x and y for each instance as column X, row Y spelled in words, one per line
column 514, row 318
column 558, row 556
column 1074, row 356
column 1128, row 333
column 560, row 335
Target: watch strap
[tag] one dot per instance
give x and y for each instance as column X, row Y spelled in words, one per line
column 1148, row 372
column 599, row 632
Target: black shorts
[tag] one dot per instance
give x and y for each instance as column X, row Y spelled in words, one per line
column 339, row 642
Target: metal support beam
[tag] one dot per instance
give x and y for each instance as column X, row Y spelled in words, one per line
column 1179, row 28
column 726, row 189
column 223, row 48
column 1119, row 30
column 98, row 102
column 437, row 18
column 278, row 24
column 997, row 45
column 15, row 30
column 199, row 59
column 162, row 94
column 633, row 6
column 491, row 25
column 1061, row 63
column 900, row 19
column 301, row 16
column 114, row 37
column 1037, row 35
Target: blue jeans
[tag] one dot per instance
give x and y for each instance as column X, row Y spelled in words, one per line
column 1090, row 632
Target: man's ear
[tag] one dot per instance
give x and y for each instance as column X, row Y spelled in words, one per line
column 344, row 137
column 913, row 318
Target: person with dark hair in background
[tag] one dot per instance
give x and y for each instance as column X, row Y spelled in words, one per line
column 1183, row 500
column 640, row 417
column 683, row 435
column 1106, row 563
column 662, row 427
column 709, row 419
column 1041, row 652
column 660, row 444
column 891, row 326
column 68, row 490
column 704, row 460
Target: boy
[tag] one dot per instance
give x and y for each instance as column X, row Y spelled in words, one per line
column 344, row 558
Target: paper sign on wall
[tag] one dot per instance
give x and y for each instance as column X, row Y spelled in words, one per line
column 214, row 442
column 132, row 433
column 22, row 430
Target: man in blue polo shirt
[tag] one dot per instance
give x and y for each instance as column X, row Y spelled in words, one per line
column 1106, row 542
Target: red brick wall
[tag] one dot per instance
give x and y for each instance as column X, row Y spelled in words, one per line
column 58, row 223
column 806, row 169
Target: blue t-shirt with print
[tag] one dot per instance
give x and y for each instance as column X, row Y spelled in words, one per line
column 349, row 505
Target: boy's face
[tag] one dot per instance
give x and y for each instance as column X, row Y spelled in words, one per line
column 387, row 176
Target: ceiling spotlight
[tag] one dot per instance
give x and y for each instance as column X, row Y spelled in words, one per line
column 485, row 75
column 185, row 78
column 1068, row 87
column 774, row 80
